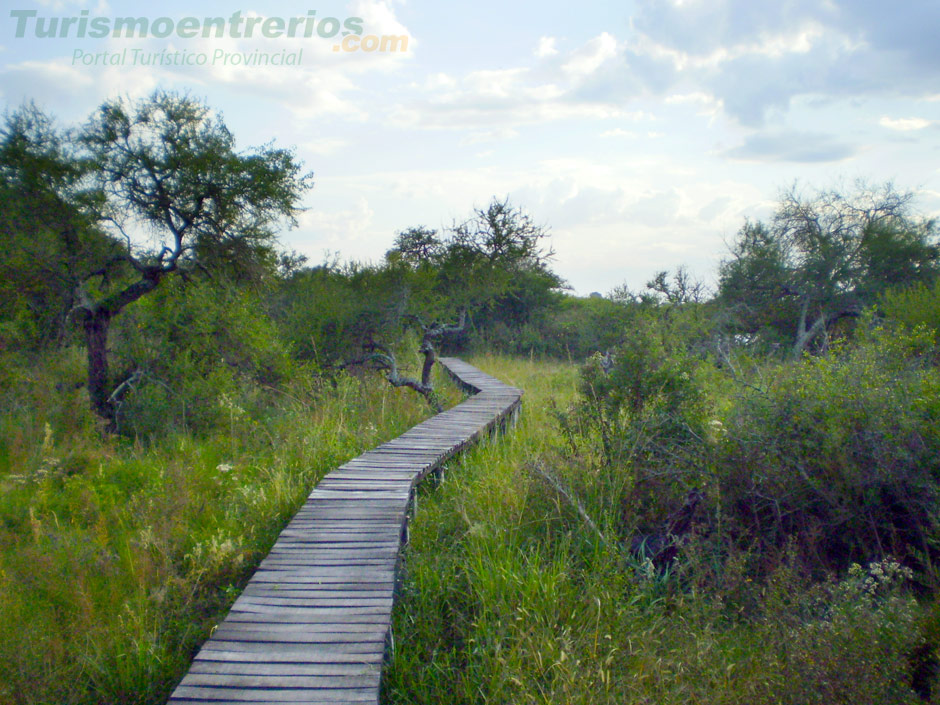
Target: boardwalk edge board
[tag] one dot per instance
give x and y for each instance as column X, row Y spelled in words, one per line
column 313, row 623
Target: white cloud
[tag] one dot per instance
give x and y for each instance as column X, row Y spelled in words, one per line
column 904, row 124
column 323, row 147
column 620, row 132
column 591, row 56
column 706, row 104
column 100, row 7
column 438, row 81
column 498, row 134
column 513, row 96
column 500, row 83
column 546, row 47
column 792, row 146
column 756, row 58
column 766, row 44
column 71, row 91
column 341, row 229
column 323, row 83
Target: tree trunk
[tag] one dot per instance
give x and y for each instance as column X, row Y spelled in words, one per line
column 429, row 358
column 804, row 336
column 96, row 320
column 96, row 340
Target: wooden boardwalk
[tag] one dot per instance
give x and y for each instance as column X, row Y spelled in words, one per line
column 313, row 622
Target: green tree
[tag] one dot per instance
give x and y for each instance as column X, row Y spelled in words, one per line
column 50, row 239
column 417, row 246
column 164, row 170
column 495, row 266
column 326, row 313
column 823, row 258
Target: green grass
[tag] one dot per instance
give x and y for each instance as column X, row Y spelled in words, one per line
column 511, row 596
column 118, row 557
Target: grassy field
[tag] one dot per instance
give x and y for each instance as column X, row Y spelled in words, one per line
column 118, row 557
column 517, row 589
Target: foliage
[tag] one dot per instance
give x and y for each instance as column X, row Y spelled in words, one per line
column 168, row 164
column 165, row 166
column 491, row 265
column 326, row 313
column 509, row 596
column 118, row 558
column 824, row 258
column 645, row 400
column 521, row 583
column 187, row 347
column 50, row 240
column 841, row 452
column 914, row 306
column 571, row 328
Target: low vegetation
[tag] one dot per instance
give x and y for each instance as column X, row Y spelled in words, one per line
column 521, row 583
column 118, row 555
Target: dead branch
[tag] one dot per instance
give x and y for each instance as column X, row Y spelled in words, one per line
column 379, row 357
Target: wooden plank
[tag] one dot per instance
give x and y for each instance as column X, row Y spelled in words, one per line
column 243, row 668
column 314, row 616
column 279, row 695
column 378, row 624
column 306, row 636
column 349, row 549
column 304, row 653
column 306, row 536
column 217, row 652
column 285, row 680
column 262, row 605
column 330, row 595
column 338, row 559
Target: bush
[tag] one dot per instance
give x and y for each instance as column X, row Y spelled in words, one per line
column 841, row 451
column 646, row 404
column 582, row 326
column 914, row 306
column 190, row 344
column 326, row 313
column 640, row 423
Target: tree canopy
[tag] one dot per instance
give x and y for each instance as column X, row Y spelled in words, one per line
column 823, row 258
column 143, row 190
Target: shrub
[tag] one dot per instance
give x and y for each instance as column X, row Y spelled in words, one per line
column 644, row 403
column 189, row 344
column 917, row 305
column 841, row 451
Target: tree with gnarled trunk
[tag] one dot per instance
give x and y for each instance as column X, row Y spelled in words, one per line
column 49, row 233
column 380, row 357
column 166, row 167
column 824, row 258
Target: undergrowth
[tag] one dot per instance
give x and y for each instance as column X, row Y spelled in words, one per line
column 119, row 555
column 520, row 584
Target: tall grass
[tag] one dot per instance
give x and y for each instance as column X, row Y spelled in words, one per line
column 521, row 590
column 117, row 557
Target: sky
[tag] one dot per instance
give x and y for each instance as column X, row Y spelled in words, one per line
column 639, row 134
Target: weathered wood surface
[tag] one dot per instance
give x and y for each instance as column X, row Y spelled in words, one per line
column 313, row 623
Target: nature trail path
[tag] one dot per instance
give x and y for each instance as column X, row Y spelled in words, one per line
column 313, row 623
